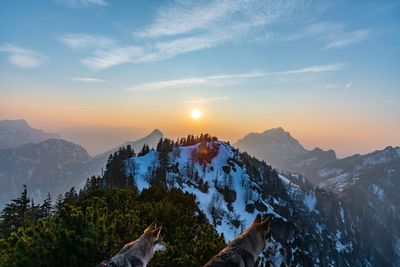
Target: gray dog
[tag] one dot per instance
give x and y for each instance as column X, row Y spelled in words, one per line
column 138, row 253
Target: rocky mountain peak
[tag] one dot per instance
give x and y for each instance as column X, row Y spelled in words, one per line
column 18, row 132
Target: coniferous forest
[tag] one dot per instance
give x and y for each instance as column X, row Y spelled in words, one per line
column 83, row 228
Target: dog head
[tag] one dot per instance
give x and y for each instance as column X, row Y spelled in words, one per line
column 262, row 228
column 153, row 234
column 254, row 237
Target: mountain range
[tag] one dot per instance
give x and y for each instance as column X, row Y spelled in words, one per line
column 49, row 166
column 329, row 211
column 313, row 226
column 232, row 187
column 18, row 132
column 97, row 139
column 279, row 149
column 367, row 185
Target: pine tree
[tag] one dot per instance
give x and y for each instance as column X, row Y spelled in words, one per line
column 15, row 214
column 71, row 196
column 46, row 207
column 59, row 203
column 144, row 151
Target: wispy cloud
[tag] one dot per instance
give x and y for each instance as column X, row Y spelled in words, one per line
column 314, row 69
column 322, row 29
column 207, row 100
column 23, row 57
column 224, row 79
column 89, row 80
column 348, row 85
column 348, row 38
column 334, row 34
column 80, row 40
column 343, row 88
column 116, row 55
column 103, row 59
column 83, row 3
column 186, row 17
column 187, row 26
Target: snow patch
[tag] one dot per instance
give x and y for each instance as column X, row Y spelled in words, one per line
column 140, row 167
column 310, row 201
column 377, row 158
column 319, row 227
column 342, row 213
column 339, row 183
column 340, row 247
column 378, row 192
column 326, row 172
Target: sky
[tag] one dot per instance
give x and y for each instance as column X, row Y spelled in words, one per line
column 326, row 71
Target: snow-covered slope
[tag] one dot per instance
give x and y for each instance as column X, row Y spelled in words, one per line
column 368, row 185
column 150, row 140
column 346, row 172
column 212, row 175
column 231, row 187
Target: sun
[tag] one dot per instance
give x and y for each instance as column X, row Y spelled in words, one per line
column 196, row 114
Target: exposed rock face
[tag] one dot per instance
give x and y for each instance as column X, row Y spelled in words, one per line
column 279, row 149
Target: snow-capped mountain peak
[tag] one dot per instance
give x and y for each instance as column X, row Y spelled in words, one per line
column 232, row 187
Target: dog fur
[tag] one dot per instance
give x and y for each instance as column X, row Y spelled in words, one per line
column 243, row 251
column 138, row 253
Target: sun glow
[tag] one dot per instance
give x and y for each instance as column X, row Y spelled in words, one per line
column 196, row 114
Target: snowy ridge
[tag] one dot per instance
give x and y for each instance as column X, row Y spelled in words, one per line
column 230, row 195
column 346, row 172
column 214, row 176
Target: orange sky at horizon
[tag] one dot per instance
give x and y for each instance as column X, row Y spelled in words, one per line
column 340, row 134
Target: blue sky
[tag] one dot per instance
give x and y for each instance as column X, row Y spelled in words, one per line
column 328, row 71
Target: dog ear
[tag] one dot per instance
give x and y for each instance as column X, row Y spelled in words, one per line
column 151, row 227
column 257, row 219
column 265, row 224
column 156, row 232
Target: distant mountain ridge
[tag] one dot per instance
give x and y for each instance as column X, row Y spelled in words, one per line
column 53, row 166
column 97, row 139
column 279, row 149
column 367, row 185
column 150, row 139
column 18, row 132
